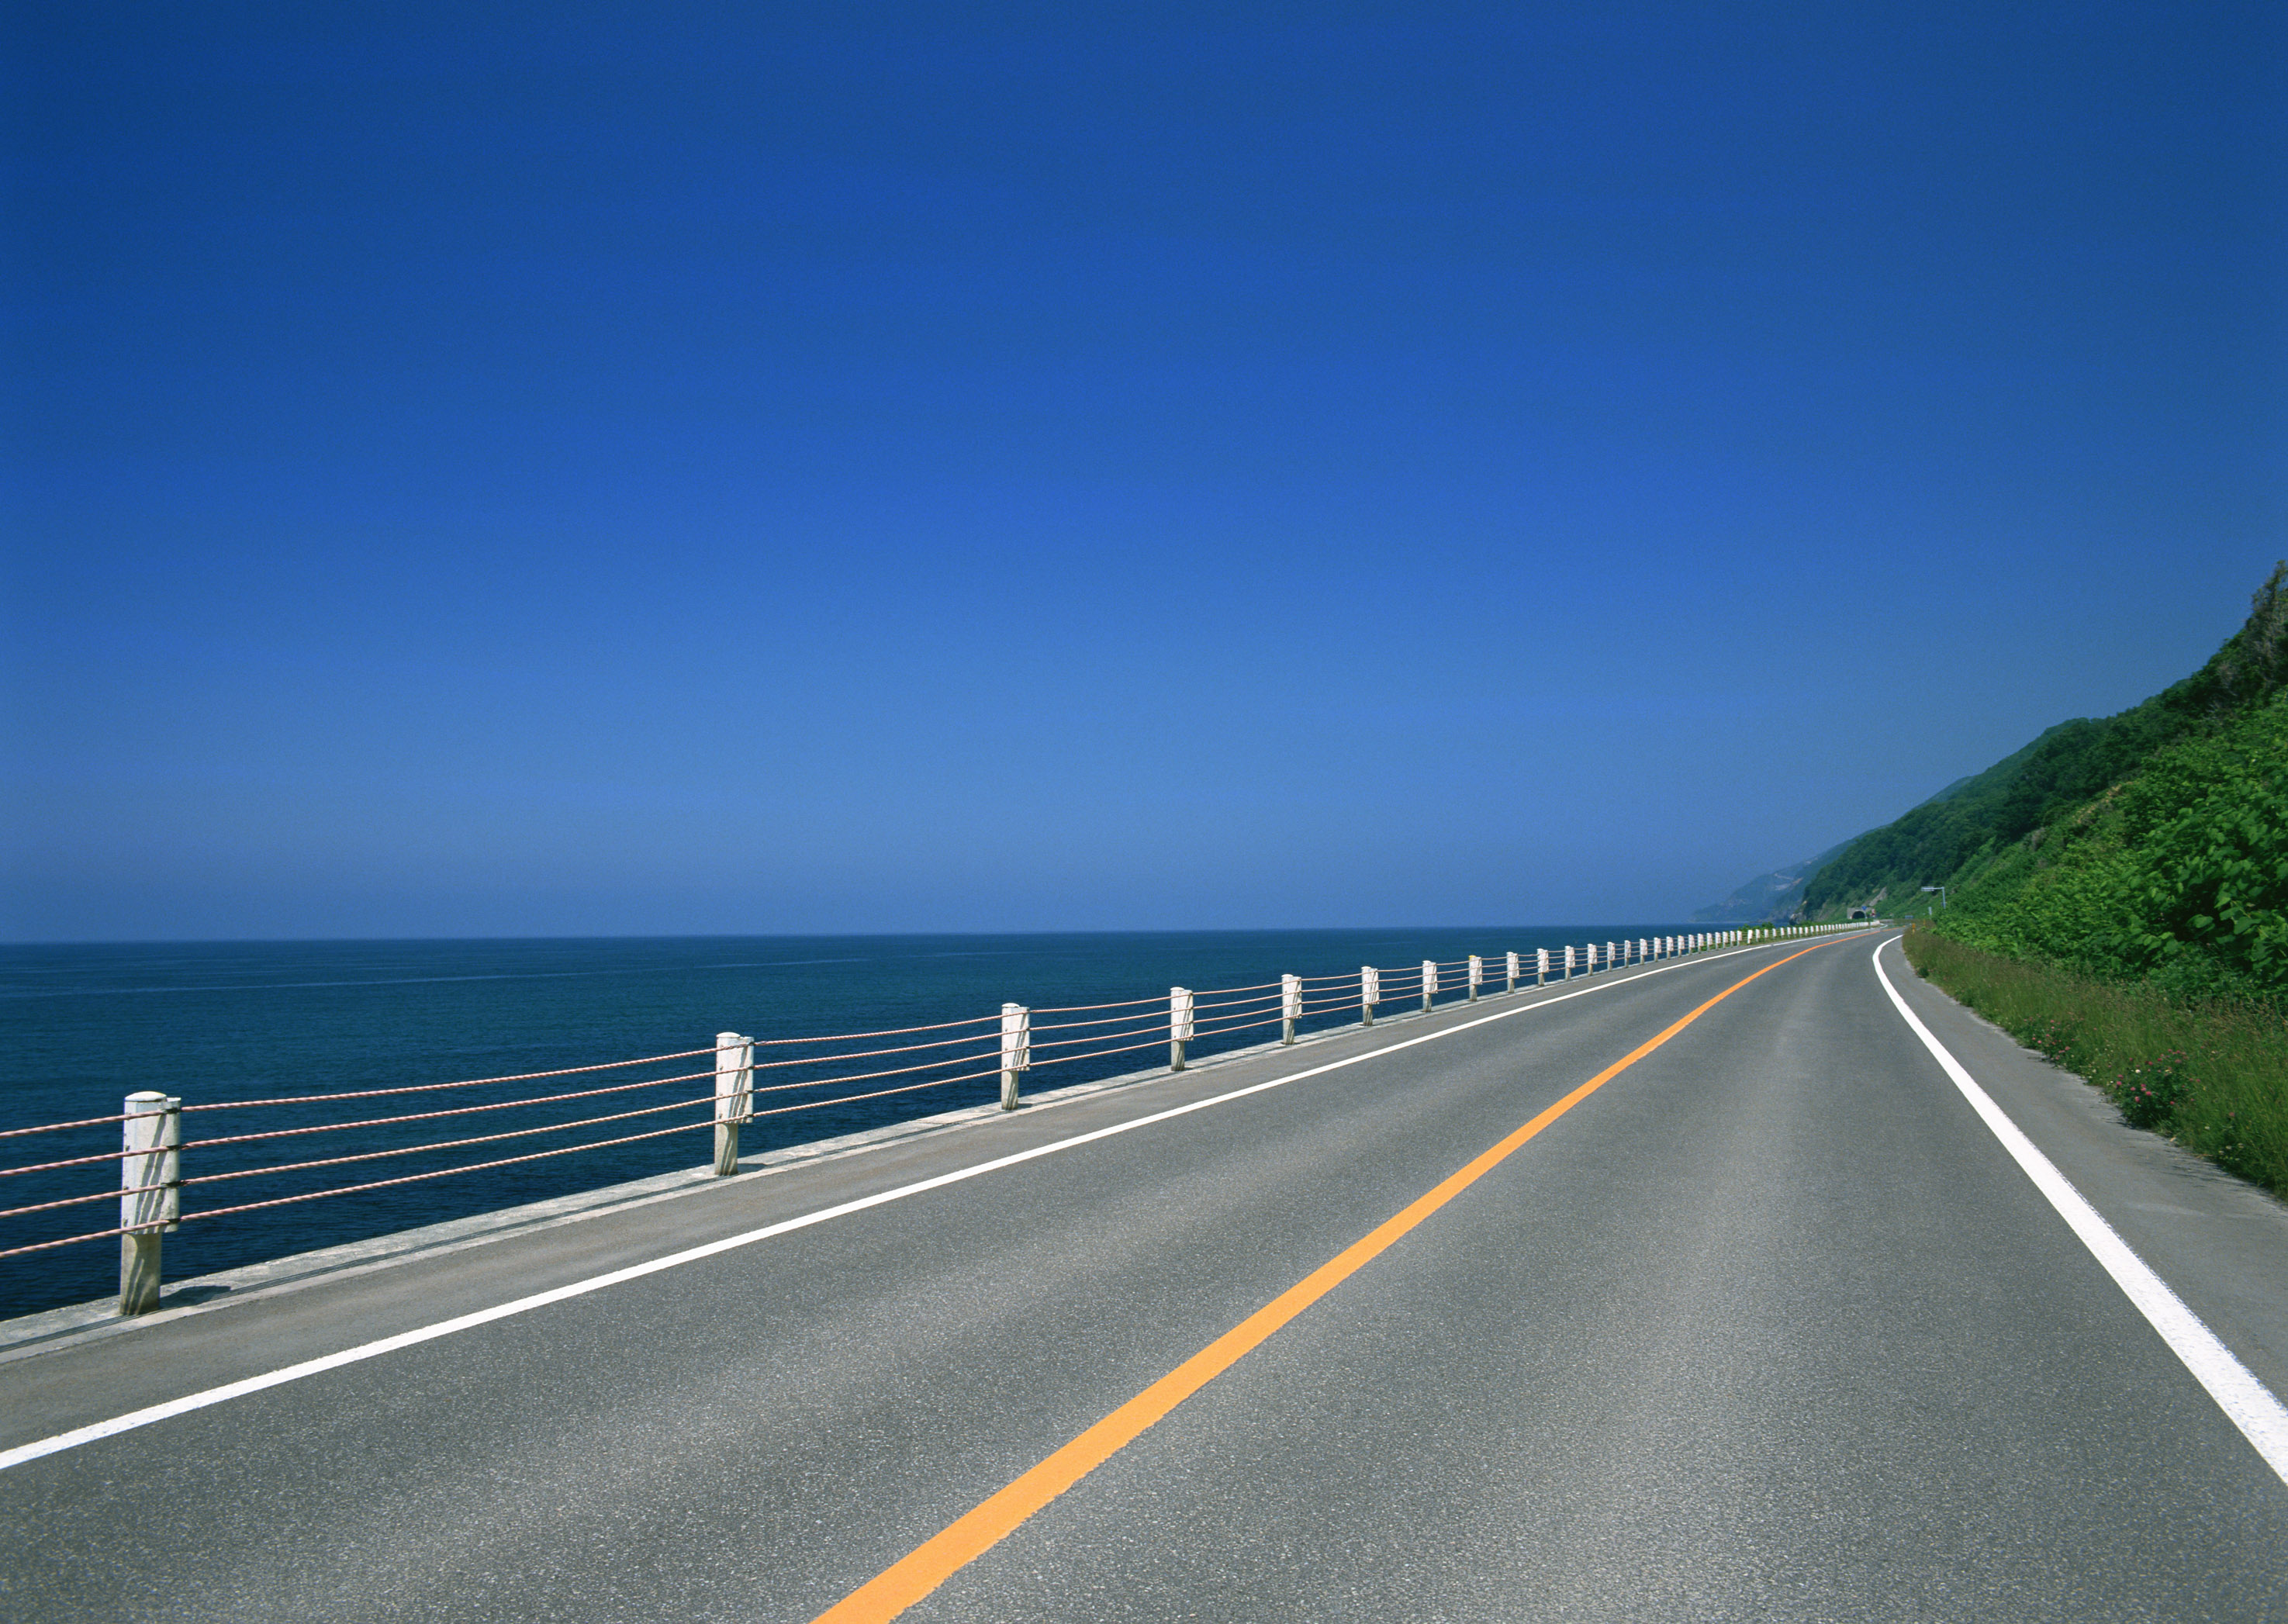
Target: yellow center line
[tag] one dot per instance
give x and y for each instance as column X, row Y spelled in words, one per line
column 937, row 1559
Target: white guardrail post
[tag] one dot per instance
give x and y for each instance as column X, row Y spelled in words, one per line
column 1179, row 1024
column 1016, row 1049
column 1477, row 976
column 1512, row 967
column 1291, row 1008
column 171, row 1168
column 734, row 1096
column 1541, row 967
column 1568, row 960
column 1429, row 983
column 1370, row 993
column 150, row 1184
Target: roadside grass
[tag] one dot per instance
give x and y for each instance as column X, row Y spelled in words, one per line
column 2211, row 1074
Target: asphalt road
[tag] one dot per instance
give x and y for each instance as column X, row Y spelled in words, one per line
column 1769, row 1326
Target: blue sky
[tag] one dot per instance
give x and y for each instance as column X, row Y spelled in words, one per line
column 589, row 469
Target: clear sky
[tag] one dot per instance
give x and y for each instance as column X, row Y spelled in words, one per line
column 562, row 469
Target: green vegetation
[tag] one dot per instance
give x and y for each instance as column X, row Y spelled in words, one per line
column 2002, row 818
column 2212, row 1074
column 2119, row 898
column 2178, row 877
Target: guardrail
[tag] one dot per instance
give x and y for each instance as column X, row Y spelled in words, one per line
column 737, row 1080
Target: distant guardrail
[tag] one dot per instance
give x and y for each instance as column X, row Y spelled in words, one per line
column 744, row 1078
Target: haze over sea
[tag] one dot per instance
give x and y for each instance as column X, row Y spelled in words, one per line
column 87, row 1024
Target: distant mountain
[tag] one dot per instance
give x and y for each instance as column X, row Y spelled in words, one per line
column 1779, row 894
column 1769, row 896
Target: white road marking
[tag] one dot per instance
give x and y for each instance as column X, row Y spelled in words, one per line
column 2246, row 1400
column 183, row 1405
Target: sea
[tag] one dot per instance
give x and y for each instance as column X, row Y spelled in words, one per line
column 83, row 1025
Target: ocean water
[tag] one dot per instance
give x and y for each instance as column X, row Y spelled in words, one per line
column 82, row 1025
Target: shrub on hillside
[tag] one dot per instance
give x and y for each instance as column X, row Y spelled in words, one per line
column 2180, row 876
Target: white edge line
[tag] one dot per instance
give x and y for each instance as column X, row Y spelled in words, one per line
column 2244, row 1399
column 173, row 1408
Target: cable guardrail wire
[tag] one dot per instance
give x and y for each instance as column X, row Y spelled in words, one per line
column 86, row 1121
column 69, row 1161
column 981, row 1048
column 1158, row 1038
column 1106, row 1020
column 445, row 1144
column 1160, row 1028
column 77, row 1200
column 432, row 1087
column 1074, row 1009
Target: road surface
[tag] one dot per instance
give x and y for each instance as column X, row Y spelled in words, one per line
column 1767, row 1325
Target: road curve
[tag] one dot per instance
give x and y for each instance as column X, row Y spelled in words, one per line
column 1767, row 1326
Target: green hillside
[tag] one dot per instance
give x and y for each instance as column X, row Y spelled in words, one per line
column 2151, row 846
